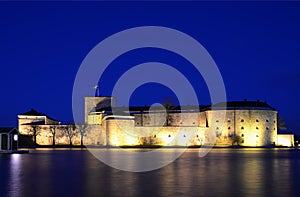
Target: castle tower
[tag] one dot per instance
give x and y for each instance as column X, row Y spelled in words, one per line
column 94, row 104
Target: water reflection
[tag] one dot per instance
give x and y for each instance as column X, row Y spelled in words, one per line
column 223, row 172
column 14, row 180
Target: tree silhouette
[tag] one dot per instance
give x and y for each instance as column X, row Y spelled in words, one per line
column 168, row 103
column 70, row 131
column 236, row 140
column 53, row 129
column 35, row 129
column 82, row 129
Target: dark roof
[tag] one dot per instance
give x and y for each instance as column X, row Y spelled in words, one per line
column 33, row 112
column 243, row 105
column 258, row 105
column 6, row 129
column 142, row 109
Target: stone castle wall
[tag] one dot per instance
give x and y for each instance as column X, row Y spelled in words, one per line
column 253, row 127
column 125, row 133
column 174, row 119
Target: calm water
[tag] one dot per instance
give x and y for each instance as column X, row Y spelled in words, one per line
column 223, row 172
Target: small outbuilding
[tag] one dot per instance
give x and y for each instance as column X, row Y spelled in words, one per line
column 285, row 139
column 8, row 139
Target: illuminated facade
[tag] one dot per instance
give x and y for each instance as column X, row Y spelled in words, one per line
column 244, row 123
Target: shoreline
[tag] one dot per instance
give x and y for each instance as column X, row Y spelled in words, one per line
column 155, row 147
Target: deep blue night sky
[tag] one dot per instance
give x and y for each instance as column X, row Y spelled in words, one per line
column 256, row 46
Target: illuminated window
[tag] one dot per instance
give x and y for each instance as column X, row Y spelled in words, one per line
column 242, row 128
column 242, row 120
column 15, row 137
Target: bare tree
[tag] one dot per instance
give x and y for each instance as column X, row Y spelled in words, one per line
column 53, row 129
column 236, row 140
column 82, row 129
column 168, row 103
column 35, row 129
column 70, row 131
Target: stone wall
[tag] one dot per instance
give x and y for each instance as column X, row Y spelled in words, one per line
column 174, row 119
column 125, row 133
column 255, row 127
column 93, row 135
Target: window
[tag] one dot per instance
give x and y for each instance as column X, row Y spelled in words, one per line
column 228, row 128
column 242, row 128
column 193, row 122
column 217, row 120
column 217, row 128
column 257, row 120
column 267, row 128
column 197, row 135
column 169, row 136
column 242, row 135
column 183, row 135
column 267, row 120
column 242, row 120
column 256, row 135
column 228, row 120
column 274, row 121
column 256, row 128
column 154, row 136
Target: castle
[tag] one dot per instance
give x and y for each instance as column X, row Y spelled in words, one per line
column 244, row 123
